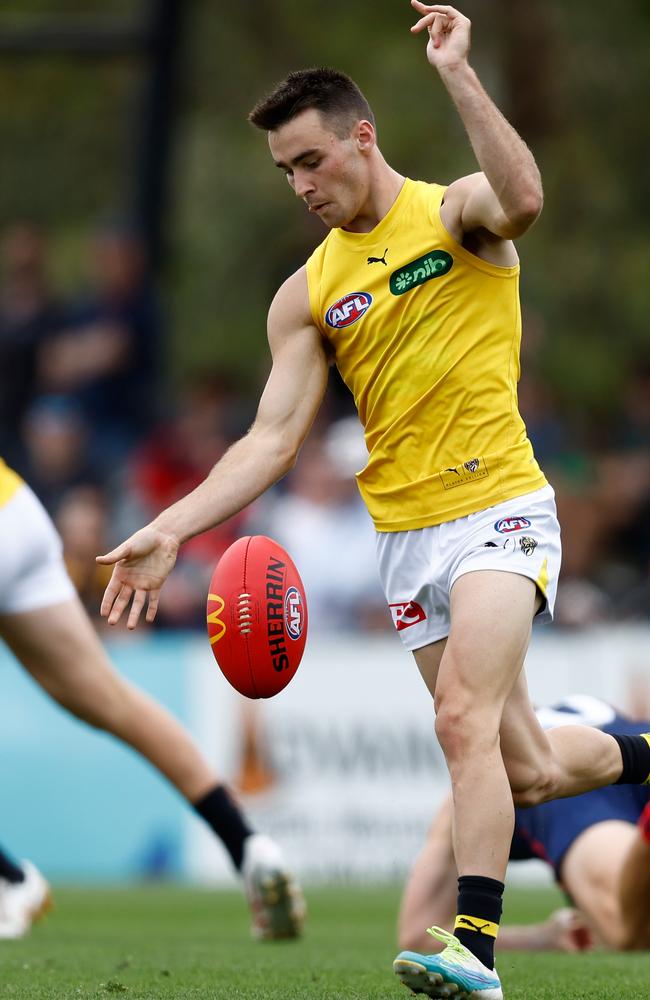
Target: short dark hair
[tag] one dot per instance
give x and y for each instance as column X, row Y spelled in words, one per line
column 335, row 95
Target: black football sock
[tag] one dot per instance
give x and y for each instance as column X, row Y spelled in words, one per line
column 10, row 871
column 221, row 812
column 635, row 751
column 479, row 913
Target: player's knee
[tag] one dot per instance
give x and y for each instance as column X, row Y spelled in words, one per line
column 462, row 730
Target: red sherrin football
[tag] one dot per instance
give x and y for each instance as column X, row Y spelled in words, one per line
column 257, row 616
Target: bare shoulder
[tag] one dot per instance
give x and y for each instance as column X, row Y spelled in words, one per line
column 291, row 301
column 290, row 317
column 472, row 215
column 455, row 199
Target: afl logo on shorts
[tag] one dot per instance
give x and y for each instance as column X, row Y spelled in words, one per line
column 508, row 524
column 348, row 310
column 294, row 613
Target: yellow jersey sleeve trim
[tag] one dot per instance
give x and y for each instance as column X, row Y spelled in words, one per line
column 470, row 258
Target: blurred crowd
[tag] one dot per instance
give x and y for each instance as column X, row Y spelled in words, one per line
column 86, row 417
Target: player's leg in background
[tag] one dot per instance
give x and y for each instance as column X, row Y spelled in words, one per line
column 591, row 873
column 634, row 888
column 59, row 647
column 430, row 892
column 24, row 896
column 61, row 650
column 554, row 763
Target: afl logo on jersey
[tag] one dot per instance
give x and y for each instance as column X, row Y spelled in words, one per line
column 348, row 310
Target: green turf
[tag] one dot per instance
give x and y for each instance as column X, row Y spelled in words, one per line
column 180, row 943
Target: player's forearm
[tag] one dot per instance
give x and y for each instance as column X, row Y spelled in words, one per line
column 524, row 937
column 502, row 154
column 249, row 467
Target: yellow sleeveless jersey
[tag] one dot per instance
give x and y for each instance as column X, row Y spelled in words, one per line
column 426, row 336
column 10, row 481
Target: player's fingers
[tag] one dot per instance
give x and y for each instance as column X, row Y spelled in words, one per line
column 111, row 592
column 136, row 608
column 437, row 29
column 122, row 551
column 152, row 608
column 436, row 8
column 424, row 22
column 120, row 604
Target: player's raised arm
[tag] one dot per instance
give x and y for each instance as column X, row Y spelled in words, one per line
column 286, row 411
column 507, row 197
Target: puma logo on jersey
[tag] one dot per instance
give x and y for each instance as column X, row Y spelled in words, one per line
column 379, row 260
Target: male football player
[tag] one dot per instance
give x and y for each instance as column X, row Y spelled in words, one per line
column 44, row 624
column 573, row 836
column 414, row 295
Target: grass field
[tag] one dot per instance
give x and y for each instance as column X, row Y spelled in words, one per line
column 182, row 943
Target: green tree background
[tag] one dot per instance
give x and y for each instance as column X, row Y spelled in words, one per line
column 574, row 79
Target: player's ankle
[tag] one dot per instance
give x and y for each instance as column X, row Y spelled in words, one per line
column 479, row 913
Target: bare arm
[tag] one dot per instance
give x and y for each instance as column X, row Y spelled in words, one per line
column 507, row 197
column 286, row 411
column 430, row 898
column 431, row 889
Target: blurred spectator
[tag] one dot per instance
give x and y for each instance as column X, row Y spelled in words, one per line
column 28, row 312
column 57, row 456
column 546, row 429
column 632, row 429
column 606, row 523
column 324, row 525
column 82, row 522
column 106, row 356
column 173, row 460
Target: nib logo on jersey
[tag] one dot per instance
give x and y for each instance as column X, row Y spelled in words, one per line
column 407, row 613
column 348, row 310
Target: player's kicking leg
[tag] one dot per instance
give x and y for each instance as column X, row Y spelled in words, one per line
column 471, row 677
column 484, row 716
column 60, row 649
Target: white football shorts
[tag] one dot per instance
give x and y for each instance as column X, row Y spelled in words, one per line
column 418, row 568
column 32, row 571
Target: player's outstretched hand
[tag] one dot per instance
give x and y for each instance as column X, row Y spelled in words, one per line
column 566, row 930
column 449, row 33
column 142, row 564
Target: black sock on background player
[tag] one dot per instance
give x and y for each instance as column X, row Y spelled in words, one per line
column 10, row 871
column 635, row 751
column 221, row 812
